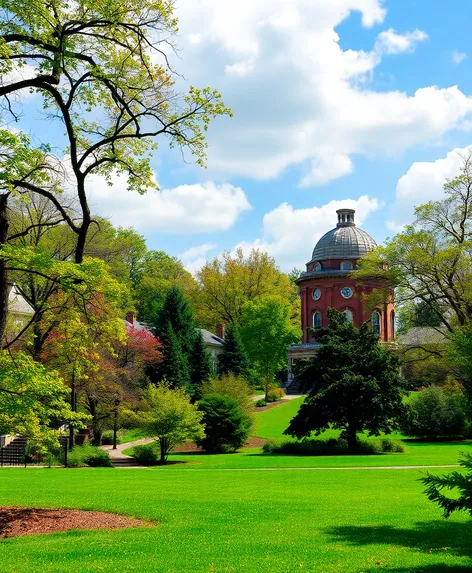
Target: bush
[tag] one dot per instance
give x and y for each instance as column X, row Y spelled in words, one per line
column 231, row 385
column 275, row 394
column 331, row 447
column 107, row 438
column 261, row 403
column 435, row 412
column 145, row 454
column 88, row 456
column 226, row 426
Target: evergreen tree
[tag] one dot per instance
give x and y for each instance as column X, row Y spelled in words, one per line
column 355, row 384
column 177, row 312
column 174, row 366
column 200, row 365
column 233, row 357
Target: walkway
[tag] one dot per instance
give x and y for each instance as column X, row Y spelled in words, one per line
column 287, row 397
column 121, row 460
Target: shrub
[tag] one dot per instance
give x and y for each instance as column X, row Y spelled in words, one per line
column 145, row 454
column 260, row 403
column 226, row 426
column 331, row 447
column 107, row 438
column 231, row 385
column 88, row 456
column 275, row 394
column 435, row 412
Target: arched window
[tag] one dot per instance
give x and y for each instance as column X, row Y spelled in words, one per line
column 376, row 322
column 346, row 266
column 317, row 319
column 317, row 267
column 348, row 314
column 392, row 324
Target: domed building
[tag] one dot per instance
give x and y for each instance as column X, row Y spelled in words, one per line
column 327, row 283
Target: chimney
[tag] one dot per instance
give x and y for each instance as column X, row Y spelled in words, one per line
column 131, row 317
column 220, row 330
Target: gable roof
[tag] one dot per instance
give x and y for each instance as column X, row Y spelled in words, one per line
column 17, row 304
column 211, row 338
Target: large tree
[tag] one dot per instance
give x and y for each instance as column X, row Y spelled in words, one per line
column 353, row 381
column 229, row 281
column 267, row 332
column 102, row 73
column 233, row 358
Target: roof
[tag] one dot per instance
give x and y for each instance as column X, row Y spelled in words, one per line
column 422, row 336
column 137, row 325
column 343, row 242
column 211, row 338
column 17, row 304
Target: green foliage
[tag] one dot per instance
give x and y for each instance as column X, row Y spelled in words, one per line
column 233, row 358
column 174, row 368
column 435, row 412
column 331, row 447
column 146, row 454
column 458, row 482
column 231, row 385
column 107, row 438
column 168, row 415
column 266, row 333
column 31, row 398
column 275, row 394
column 226, row 426
column 261, row 403
column 200, row 363
column 177, row 312
column 354, row 384
column 459, row 358
column 88, row 456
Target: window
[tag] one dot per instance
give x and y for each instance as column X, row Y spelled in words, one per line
column 349, row 316
column 346, row 266
column 317, row 319
column 376, row 322
column 392, row 324
column 317, row 267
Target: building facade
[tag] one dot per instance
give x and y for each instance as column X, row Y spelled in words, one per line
column 328, row 283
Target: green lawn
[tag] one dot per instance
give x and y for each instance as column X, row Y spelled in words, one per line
column 230, row 521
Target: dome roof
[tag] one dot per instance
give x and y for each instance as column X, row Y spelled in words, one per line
column 345, row 241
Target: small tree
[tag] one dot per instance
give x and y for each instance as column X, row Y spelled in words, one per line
column 233, row 358
column 461, row 483
column 174, row 366
column 179, row 315
column 200, row 365
column 226, row 426
column 234, row 386
column 169, row 416
column 354, row 381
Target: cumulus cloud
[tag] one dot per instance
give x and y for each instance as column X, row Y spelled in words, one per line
column 290, row 234
column 299, row 99
column 198, row 208
column 423, row 182
column 195, row 257
column 458, row 57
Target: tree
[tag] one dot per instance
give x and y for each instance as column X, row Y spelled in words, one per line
column 233, row 358
column 226, row 426
column 267, row 332
column 97, row 71
column 200, row 365
column 169, row 415
column 354, row 384
column 229, row 281
column 31, row 398
column 174, row 368
column 459, row 482
column 233, row 385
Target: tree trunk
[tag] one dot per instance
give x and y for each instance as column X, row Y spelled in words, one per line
column 86, row 221
column 4, row 286
column 163, row 447
column 351, row 438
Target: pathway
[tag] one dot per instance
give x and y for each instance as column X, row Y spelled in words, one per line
column 287, row 397
column 121, row 460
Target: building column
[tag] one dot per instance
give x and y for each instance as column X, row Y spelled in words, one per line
column 290, row 371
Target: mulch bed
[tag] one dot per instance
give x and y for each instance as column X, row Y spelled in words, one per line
column 190, row 447
column 21, row 521
column 269, row 406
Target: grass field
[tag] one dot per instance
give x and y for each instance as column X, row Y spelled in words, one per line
column 215, row 516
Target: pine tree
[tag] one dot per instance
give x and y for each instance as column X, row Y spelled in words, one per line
column 200, row 365
column 233, row 357
column 174, row 366
column 178, row 313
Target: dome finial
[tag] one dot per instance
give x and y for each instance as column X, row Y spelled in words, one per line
column 345, row 218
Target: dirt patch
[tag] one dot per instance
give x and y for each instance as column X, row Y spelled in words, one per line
column 191, row 447
column 20, row 521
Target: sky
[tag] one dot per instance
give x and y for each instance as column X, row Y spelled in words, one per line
column 357, row 103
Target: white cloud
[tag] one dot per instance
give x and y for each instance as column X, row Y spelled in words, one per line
column 198, row 208
column 289, row 234
column 195, row 257
column 458, row 57
column 423, row 182
column 301, row 100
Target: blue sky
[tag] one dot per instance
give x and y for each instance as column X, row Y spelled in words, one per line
column 337, row 102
